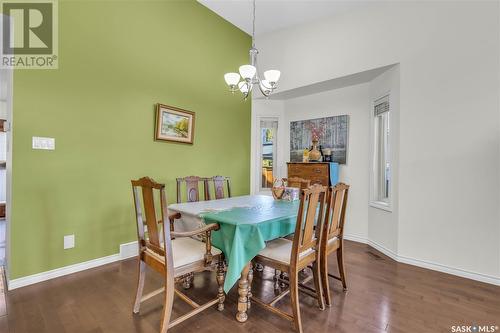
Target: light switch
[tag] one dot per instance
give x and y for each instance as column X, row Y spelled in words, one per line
column 69, row 242
column 43, row 143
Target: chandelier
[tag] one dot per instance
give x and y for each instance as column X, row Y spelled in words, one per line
column 250, row 75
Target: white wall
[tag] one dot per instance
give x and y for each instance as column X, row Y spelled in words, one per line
column 449, row 123
column 352, row 101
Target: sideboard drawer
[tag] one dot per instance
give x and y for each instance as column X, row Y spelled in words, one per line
column 317, row 173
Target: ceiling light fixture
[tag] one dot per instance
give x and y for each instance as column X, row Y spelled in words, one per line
column 250, row 75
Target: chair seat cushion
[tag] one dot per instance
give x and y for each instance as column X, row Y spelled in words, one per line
column 280, row 249
column 332, row 240
column 187, row 250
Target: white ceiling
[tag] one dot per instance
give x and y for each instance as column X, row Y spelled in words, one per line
column 277, row 14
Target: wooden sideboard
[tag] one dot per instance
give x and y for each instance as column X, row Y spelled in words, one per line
column 316, row 172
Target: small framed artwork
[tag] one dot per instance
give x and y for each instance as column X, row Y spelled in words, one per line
column 174, row 124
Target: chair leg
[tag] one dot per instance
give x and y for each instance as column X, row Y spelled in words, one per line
column 317, row 285
column 220, row 281
column 294, row 297
column 168, row 305
column 250, row 279
column 140, row 285
column 276, row 279
column 188, row 281
column 340, row 261
column 324, row 279
column 282, row 277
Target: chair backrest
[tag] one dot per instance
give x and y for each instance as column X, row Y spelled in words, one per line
column 156, row 233
column 297, row 182
column 335, row 211
column 309, row 214
column 192, row 188
column 219, row 183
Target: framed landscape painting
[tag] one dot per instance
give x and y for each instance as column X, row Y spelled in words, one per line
column 174, row 124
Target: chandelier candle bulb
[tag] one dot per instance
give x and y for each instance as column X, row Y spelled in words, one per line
column 232, row 80
column 272, row 76
column 247, row 72
column 243, row 86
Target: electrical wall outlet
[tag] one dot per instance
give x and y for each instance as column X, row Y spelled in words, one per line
column 43, row 143
column 69, row 242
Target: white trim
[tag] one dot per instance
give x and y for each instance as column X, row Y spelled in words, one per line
column 381, row 205
column 265, row 109
column 127, row 250
column 8, row 167
column 426, row 264
column 388, row 252
column 450, row 270
column 387, row 206
column 258, row 165
column 355, row 238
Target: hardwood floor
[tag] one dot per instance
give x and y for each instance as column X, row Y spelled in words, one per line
column 383, row 296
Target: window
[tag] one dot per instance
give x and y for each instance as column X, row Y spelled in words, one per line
column 268, row 134
column 382, row 169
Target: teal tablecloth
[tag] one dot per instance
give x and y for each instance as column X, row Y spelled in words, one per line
column 244, row 231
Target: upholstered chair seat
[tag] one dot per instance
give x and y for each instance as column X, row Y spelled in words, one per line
column 186, row 251
column 280, row 249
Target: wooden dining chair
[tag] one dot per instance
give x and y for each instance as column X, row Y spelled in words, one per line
column 332, row 240
column 192, row 188
column 173, row 258
column 219, row 183
column 297, row 182
column 293, row 256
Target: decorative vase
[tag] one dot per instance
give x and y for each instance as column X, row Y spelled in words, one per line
column 278, row 189
column 314, row 154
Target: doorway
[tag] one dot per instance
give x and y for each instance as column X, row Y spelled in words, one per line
column 3, row 164
column 5, row 158
column 268, row 132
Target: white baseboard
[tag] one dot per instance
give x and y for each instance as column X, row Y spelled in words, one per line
column 355, row 238
column 426, row 264
column 450, row 270
column 127, row 250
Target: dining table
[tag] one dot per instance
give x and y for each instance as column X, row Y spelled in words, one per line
column 246, row 224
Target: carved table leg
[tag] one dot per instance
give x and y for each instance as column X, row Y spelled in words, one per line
column 250, row 279
column 220, row 282
column 242, row 316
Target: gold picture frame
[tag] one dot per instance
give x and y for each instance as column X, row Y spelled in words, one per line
column 174, row 124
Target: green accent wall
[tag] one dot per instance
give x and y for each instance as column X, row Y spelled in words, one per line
column 117, row 59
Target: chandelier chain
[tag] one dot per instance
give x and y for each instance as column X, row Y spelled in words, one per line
column 253, row 26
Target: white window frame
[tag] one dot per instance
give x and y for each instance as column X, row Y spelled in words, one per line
column 374, row 177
